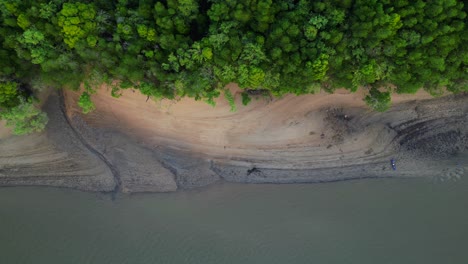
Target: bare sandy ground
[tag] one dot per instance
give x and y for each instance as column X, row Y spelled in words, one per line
column 263, row 129
column 306, row 138
column 132, row 144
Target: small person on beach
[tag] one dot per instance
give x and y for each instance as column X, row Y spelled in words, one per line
column 392, row 161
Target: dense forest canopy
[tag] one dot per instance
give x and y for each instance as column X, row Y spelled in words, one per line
column 193, row 48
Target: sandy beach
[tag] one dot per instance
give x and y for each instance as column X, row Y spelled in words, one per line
column 139, row 145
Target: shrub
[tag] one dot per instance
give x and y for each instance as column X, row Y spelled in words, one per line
column 85, row 103
column 245, row 98
column 8, row 94
column 377, row 100
column 25, row 118
column 230, row 98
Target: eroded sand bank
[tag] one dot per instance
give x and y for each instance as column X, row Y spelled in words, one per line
column 53, row 158
column 166, row 145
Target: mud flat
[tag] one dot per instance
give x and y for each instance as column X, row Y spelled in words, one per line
column 132, row 144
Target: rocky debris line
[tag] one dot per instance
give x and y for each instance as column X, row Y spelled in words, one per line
column 233, row 173
column 54, row 158
column 440, row 130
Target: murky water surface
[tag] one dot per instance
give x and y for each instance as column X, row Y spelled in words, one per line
column 371, row 221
